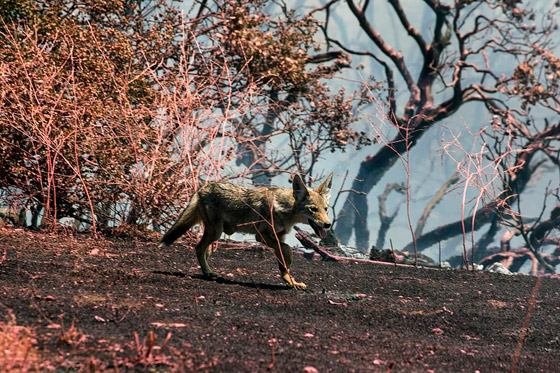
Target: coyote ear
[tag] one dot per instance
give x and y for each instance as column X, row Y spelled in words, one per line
column 325, row 188
column 300, row 190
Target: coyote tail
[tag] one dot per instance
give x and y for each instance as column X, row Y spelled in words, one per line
column 187, row 219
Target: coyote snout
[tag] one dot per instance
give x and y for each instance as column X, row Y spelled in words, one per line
column 319, row 228
column 269, row 213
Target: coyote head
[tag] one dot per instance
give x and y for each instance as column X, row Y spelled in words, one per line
column 312, row 204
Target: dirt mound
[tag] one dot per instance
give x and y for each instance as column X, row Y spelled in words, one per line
column 100, row 304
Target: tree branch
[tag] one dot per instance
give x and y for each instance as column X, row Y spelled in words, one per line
column 433, row 203
column 388, row 75
column 412, row 32
column 386, row 220
column 396, row 57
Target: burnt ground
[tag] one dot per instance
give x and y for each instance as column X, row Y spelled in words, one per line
column 79, row 303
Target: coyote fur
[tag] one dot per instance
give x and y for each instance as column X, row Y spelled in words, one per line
column 269, row 213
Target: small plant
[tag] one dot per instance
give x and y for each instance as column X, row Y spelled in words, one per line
column 148, row 353
column 72, row 336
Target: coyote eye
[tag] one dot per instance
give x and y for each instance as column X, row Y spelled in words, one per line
column 313, row 209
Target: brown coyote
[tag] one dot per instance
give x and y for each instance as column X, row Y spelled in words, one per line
column 269, row 213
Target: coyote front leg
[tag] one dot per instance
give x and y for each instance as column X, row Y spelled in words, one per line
column 284, row 263
column 284, row 255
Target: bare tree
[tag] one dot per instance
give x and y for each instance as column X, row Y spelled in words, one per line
column 462, row 57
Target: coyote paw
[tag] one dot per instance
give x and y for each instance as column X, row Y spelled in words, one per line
column 293, row 283
column 210, row 275
column 299, row 285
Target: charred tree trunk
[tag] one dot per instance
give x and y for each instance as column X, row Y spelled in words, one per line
column 385, row 219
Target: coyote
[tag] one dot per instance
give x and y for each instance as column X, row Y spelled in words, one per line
column 268, row 212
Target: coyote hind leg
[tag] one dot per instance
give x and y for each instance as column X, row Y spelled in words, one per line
column 211, row 234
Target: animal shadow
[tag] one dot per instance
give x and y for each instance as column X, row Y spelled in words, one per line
column 226, row 281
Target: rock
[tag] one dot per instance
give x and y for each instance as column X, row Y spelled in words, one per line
column 381, row 255
column 498, row 268
column 353, row 252
column 478, row 267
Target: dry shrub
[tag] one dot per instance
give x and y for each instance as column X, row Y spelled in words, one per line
column 113, row 113
column 18, row 350
column 96, row 131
